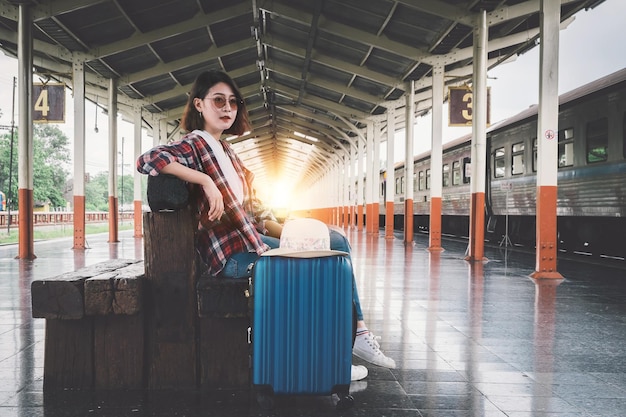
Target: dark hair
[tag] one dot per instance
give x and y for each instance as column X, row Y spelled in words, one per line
column 192, row 120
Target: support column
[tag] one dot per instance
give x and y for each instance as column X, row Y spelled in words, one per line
column 26, row 239
column 408, row 163
column 353, row 187
column 369, row 175
column 375, row 184
column 346, row 189
column 476, row 245
column 137, row 194
column 547, row 143
column 436, row 161
column 113, row 208
column 359, row 191
column 78, row 75
column 390, row 181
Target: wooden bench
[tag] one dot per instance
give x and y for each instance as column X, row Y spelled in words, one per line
column 154, row 324
column 94, row 331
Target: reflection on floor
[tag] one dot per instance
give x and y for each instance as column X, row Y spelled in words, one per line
column 468, row 339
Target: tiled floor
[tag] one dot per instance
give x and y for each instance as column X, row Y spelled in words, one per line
column 469, row 339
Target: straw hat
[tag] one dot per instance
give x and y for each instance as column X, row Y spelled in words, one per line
column 304, row 238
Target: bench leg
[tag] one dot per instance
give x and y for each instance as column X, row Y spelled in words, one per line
column 224, row 353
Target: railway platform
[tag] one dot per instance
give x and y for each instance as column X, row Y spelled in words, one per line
column 469, row 340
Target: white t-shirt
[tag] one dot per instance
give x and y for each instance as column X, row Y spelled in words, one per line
column 226, row 165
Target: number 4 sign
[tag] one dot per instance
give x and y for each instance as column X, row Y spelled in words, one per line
column 48, row 103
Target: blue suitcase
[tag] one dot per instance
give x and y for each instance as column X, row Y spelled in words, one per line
column 302, row 327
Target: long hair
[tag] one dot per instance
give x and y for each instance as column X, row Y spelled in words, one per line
column 192, row 120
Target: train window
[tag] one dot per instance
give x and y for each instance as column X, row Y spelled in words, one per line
column 422, row 181
column 446, row 175
column 517, row 160
column 566, row 147
column 467, row 170
column 399, row 186
column 414, row 181
column 498, row 163
column 428, row 179
column 456, row 173
column 597, row 140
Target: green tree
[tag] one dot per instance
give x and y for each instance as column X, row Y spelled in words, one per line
column 51, row 156
column 97, row 192
column 5, row 169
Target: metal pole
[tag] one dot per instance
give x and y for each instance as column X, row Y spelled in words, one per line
column 9, row 199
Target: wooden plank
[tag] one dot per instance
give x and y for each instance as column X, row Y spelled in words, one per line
column 118, row 352
column 117, row 292
column 224, row 353
column 170, row 299
column 68, row 354
column 61, row 297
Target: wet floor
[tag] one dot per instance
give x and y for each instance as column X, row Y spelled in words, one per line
column 468, row 339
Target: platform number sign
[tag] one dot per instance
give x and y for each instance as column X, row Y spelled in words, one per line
column 461, row 102
column 48, row 103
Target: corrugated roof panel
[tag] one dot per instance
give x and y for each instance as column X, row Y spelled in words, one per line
column 132, row 60
column 182, row 45
column 99, row 24
column 150, row 15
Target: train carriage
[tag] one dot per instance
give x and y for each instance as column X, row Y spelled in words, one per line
column 591, row 202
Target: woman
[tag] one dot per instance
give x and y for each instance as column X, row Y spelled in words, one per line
column 233, row 229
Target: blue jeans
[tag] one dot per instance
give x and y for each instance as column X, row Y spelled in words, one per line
column 239, row 265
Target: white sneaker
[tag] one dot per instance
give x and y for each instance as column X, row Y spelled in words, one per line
column 367, row 348
column 358, row 372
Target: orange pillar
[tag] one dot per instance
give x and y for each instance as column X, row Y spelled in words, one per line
column 408, row 221
column 546, row 252
column 389, row 218
column 26, row 239
column 375, row 220
column 434, row 228
column 137, row 218
column 476, row 245
column 436, row 160
column 79, row 222
column 547, row 144
column 359, row 218
column 369, row 225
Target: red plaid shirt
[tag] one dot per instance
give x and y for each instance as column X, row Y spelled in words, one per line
column 238, row 229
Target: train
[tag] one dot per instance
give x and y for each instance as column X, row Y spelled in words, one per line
column 591, row 181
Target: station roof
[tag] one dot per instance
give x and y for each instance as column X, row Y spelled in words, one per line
column 312, row 72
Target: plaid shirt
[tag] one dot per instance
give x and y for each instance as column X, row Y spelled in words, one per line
column 238, row 229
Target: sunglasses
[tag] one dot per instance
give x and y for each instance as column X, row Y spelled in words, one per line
column 220, row 102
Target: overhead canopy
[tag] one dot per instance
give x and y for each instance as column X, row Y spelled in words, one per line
column 312, row 72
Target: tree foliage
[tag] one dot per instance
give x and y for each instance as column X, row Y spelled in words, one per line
column 97, row 192
column 51, row 157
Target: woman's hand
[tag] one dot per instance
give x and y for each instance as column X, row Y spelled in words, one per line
column 215, row 199
column 211, row 192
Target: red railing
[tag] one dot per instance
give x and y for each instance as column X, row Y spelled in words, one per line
column 61, row 217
